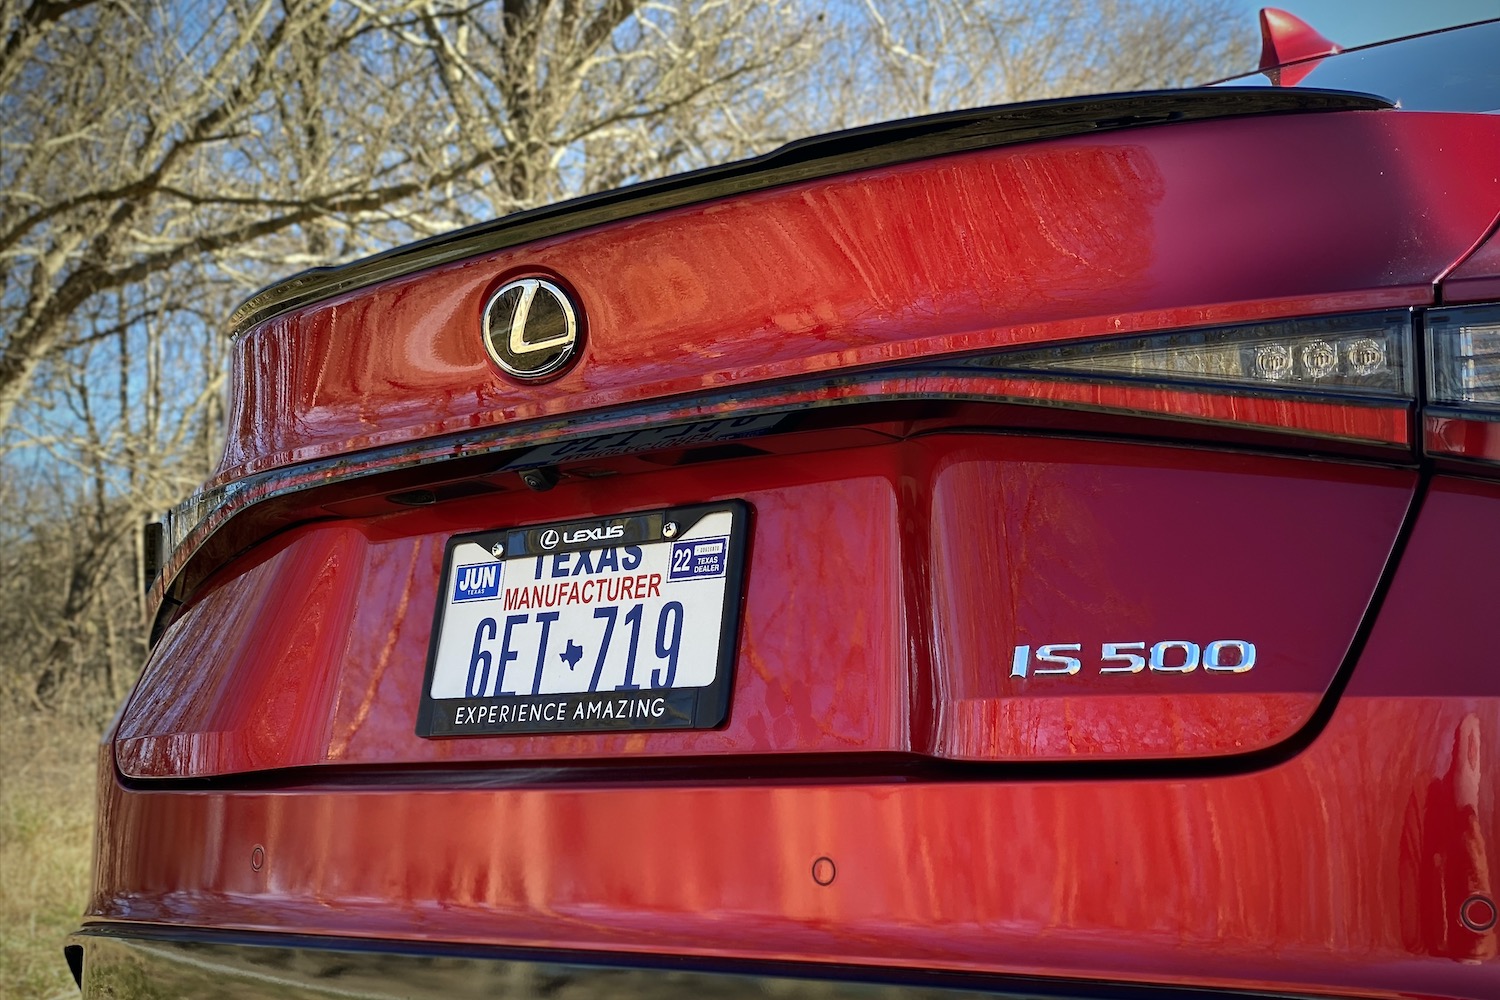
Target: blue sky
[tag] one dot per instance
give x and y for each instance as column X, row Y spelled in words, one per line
column 1356, row 22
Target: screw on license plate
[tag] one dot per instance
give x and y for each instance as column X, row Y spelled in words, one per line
column 669, row 530
column 497, row 550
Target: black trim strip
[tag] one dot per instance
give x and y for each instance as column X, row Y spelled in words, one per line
column 805, row 159
column 183, row 961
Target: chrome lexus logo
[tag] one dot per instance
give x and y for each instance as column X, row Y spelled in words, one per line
column 550, row 538
column 530, row 328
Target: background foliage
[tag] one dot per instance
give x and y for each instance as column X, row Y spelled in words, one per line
column 159, row 160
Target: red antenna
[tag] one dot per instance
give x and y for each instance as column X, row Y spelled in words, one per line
column 1286, row 39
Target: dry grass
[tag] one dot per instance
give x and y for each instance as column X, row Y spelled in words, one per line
column 46, row 836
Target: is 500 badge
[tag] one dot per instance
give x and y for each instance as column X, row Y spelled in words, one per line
column 1171, row 656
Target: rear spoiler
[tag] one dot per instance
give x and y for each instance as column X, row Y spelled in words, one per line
column 805, row 159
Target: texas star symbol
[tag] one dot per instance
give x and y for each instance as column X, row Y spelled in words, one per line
column 572, row 654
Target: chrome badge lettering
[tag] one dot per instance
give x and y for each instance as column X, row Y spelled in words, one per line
column 599, row 534
column 530, row 328
column 1170, row 656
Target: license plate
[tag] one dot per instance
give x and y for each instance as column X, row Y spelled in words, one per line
column 626, row 622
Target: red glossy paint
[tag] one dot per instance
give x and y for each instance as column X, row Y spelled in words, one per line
column 1477, row 277
column 1286, row 38
column 1036, row 542
column 1148, row 229
column 1341, row 868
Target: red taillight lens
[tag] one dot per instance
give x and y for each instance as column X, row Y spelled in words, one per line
column 1462, row 418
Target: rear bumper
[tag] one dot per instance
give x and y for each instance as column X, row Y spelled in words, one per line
column 1343, row 869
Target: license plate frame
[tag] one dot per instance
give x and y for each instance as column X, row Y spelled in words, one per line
column 696, row 555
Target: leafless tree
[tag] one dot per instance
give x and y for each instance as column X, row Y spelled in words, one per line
column 944, row 54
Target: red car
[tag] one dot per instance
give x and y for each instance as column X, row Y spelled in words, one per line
column 1048, row 550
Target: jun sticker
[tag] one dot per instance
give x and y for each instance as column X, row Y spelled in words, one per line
column 699, row 558
column 476, row 582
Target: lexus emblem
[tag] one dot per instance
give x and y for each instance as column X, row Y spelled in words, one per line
column 550, row 538
column 530, row 328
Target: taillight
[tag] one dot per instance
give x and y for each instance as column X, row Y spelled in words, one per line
column 1359, row 354
column 1462, row 418
column 1344, row 377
